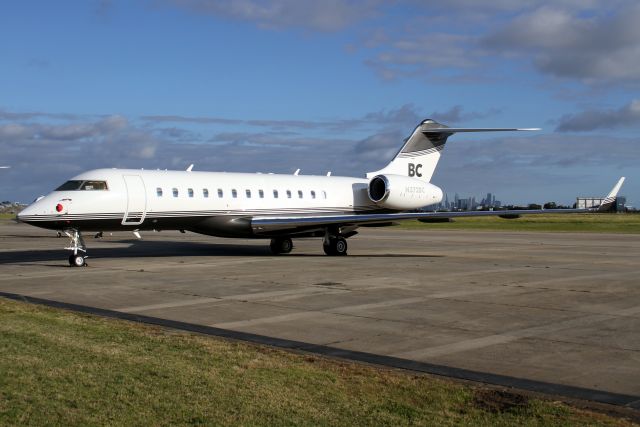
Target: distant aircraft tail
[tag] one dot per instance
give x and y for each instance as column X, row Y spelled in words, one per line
column 420, row 153
column 608, row 203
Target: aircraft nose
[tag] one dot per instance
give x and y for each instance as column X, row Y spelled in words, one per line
column 25, row 213
column 31, row 211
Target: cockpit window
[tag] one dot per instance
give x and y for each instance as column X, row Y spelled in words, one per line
column 82, row 185
column 94, row 185
column 70, row 185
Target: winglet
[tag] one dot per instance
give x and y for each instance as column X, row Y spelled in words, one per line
column 190, row 168
column 608, row 201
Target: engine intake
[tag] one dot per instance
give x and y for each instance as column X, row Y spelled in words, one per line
column 378, row 188
column 402, row 193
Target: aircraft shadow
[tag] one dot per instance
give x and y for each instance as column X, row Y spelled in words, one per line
column 160, row 249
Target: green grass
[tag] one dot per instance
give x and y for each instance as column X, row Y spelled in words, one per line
column 64, row 368
column 594, row 223
column 7, row 216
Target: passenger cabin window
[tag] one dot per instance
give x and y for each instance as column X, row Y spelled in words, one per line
column 275, row 194
column 82, row 185
column 300, row 194
column 190, row 192
column 261, row 194
column 205, row 193
column 313, row 194
column 159, row 191
column 220, row 193
column 248, row 193
column 234, row 194
column 175, row 192
column 288, row 194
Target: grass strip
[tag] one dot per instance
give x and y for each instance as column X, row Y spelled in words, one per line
column 63, row 368
column 577, row 223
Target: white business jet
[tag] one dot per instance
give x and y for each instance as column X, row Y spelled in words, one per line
column 267, row 206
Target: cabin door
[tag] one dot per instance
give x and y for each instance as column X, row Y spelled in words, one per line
column 136, row 200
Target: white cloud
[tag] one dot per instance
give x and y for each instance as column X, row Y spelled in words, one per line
column 13, row 131
column 596, row 49
column 626, row 116
column 326, row 15
column 420, row 55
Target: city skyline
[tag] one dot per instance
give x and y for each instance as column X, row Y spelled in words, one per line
column 489, row 201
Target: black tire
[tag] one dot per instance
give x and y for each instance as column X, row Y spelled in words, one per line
column 328, row 249
column 281, row 245
column 337, row 246
column 340, row 246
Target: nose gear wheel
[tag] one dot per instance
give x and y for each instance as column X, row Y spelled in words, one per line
column 76, row 245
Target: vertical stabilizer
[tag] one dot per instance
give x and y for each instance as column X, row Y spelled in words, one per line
column 420, row 153
column 608, row 204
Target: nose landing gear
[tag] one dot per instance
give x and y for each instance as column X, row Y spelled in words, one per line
column 77, row 245
column 77, row 261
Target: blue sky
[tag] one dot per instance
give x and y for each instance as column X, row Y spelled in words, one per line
column 273, row 86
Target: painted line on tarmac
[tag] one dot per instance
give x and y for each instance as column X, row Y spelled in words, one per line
column 600, row 396
column 347, row 310
column 256, row 296
column 515, row 335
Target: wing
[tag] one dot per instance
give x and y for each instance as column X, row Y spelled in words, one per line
column 269, row 224
column 296, row 224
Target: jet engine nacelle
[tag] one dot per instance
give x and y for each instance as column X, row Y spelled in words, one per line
column 402, row 192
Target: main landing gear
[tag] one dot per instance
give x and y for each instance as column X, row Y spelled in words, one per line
column 335, row 245
column 335, row 241
column 77, row 245
column 281, row 245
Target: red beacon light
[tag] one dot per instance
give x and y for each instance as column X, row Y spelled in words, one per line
column 59, row 207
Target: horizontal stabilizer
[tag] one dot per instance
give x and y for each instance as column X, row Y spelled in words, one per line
column 460, row 130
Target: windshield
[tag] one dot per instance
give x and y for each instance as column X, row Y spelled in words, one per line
column 69, row 185
column 94, row 185
column 82, row 185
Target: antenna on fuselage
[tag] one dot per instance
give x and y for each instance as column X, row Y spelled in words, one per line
column 190, row 168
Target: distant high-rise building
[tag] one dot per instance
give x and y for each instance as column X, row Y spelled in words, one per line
column 488, row 201
column 469, row 202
